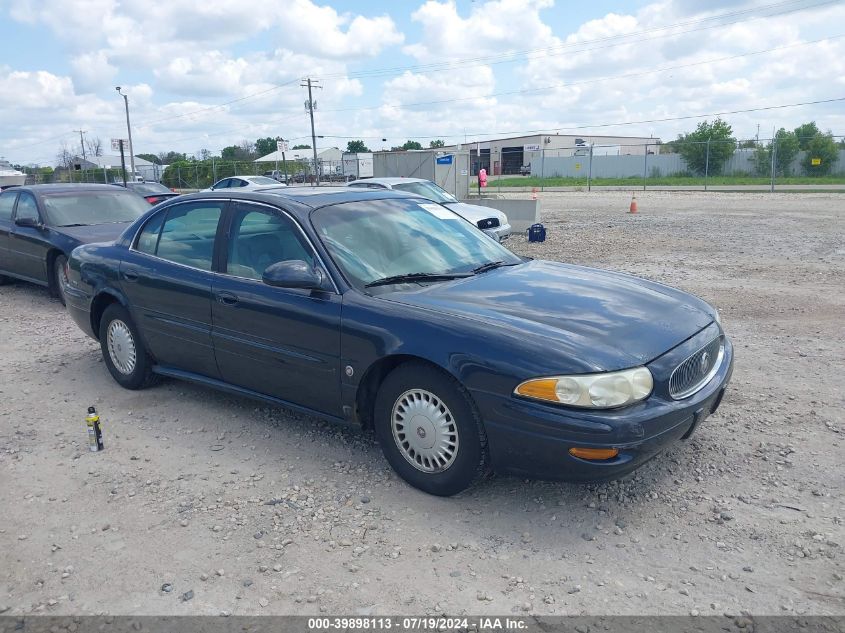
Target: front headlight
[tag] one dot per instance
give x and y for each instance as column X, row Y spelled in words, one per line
column 591, row 391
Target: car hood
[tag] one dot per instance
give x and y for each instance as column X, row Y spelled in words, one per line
column 474, row 212
column 94, row 232
column 597, row 320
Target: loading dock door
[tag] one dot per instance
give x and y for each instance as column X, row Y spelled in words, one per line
column 511, row 159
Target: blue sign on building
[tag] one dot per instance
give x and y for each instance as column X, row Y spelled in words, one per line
column 444, row 160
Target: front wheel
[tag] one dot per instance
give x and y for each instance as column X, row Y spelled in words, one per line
column 429, row 430
column 123, row 352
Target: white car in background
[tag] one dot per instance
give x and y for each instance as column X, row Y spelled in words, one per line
column 491, row 221
column 244, row 183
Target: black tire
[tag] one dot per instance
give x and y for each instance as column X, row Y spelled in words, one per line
column 469, row 462
column 141, row 374
column 59, row 278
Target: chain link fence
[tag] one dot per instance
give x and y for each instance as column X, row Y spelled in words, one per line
column 763, row 164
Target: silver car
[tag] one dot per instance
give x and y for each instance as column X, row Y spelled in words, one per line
column 491, row 221
column 244, row 183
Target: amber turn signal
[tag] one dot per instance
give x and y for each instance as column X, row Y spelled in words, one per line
column 594, row 453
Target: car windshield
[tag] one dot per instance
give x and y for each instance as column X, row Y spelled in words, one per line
column 148, row 188
column 94, row 207
column 428, row 190
column 261, row 180
column 377, row 239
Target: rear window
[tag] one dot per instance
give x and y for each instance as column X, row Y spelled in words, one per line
column 94, row 207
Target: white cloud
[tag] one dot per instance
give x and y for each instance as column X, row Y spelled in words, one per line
column 92, row 71
column 185, row 57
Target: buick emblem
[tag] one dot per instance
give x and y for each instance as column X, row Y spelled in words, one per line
column 704, row 363
column 421, row 431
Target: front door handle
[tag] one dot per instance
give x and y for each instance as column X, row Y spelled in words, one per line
column 226, row 298
column 130, row 275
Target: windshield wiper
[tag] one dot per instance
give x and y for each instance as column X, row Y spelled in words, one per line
column 410, row 277
column 489, row 266
column 69, row 225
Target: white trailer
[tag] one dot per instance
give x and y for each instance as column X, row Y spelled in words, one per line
column 357, row 165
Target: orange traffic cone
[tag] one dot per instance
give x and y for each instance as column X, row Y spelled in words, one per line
column 533, row 193
column 633, row 208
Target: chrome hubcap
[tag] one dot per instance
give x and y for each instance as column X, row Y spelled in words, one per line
column 121, row 347
column 424, row 431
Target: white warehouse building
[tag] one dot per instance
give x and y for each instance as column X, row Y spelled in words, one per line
column 508, row 155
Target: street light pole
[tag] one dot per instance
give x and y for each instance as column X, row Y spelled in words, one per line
column 128, row 131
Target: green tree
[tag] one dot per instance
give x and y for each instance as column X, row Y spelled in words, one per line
column 437, row 143
column 693, row 147
column 150, row 157
column 806, row 133
column 230, row 153
column 786, row 149
column 167, row 158
column 301, row 147
column 264, row 146
column 355, row 147
column 821, row 155
column 411, row 145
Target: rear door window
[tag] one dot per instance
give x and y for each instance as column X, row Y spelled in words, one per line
column 7, row 202
column 185, row 236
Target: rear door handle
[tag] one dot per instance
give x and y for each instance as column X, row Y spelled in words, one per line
column 226, row 298
column 130, row 275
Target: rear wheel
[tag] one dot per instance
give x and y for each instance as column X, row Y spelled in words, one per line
column 123, row 352
column 59, row 277
column 429, row 430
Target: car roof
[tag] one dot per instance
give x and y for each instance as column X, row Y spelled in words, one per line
column 66, row 188
column 396, row 180
column 316, row 197
column 304, row 198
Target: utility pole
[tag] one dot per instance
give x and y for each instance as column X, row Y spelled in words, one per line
column 310, row 105
column 128, row 131
column 82, row 143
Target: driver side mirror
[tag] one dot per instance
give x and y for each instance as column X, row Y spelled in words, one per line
column 32, row 223
column 293, row 273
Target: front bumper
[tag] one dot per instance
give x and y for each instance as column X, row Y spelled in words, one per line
column 533, row 439
column 502, row 231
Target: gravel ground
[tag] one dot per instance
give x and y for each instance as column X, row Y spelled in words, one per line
column 203, row 503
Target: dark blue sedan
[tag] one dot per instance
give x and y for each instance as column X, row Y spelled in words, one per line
column 392, row 311
column 40, row 225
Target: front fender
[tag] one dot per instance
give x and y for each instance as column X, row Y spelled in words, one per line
column 479, row 358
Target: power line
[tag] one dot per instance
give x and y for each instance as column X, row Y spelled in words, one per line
column 221, row 105
column 578, row 47
column 601, row 125
column 588, row 81
column 515, row 56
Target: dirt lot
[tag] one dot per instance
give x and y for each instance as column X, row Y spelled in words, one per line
column 204, row 503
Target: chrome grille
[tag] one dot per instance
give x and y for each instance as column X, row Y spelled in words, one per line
column 697, row 370
column 488, row 223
